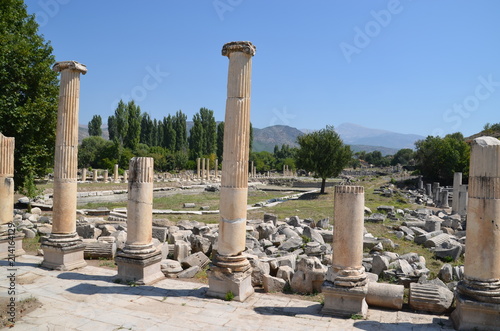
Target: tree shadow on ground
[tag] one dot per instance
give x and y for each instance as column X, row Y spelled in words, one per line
column 143, row 290
column 6, row 263
column 314, row 309
column 127, row 289
column 312, row 196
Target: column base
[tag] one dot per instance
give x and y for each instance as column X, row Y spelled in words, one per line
column 475, row 315
column 141, row 269
column 63, row 252
column 344, row 301
column 7, row 250
column 220, row 283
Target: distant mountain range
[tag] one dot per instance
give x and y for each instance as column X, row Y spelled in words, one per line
column 359, row 137
column 354, row 134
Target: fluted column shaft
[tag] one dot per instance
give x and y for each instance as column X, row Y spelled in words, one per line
column 66, row 152
column 6, row 179
column 349, row 202
column 203, row 168
column 457, row 181
column 140, row 206
column 482, row 261
column 198, row 167
column 208, row 169
column 234, row 182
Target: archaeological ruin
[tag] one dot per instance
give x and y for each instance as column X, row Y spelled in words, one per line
column 339, row 258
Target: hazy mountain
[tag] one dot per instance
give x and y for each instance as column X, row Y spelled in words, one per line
column 265, row 139
column 360, row 138
column 83, row 132
column 354, row 134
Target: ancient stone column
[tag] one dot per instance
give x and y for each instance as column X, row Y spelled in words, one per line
column 463, row 198
column 105, row 176
column 428, row 189
column 198, row 167
column 444, row 199
column 94, row 175
column 203, row 168
column 64, row 249
column 457, row 181
column 115, row 174
column 208, row 169
column 139, row 261
column 251, row 170
column 84, row 175
column 216, row 168
column 345, row 286
column 125, row 176
column 11, row 241
column 230, row 271
column 478, row 294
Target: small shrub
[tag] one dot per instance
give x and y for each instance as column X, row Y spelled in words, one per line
column 229, row 296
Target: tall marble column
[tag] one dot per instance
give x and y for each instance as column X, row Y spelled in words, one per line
column 11, row 241
column 84, row 175
column 208, row 169
column 345, row 286
column 478, row 294
column 203, row 168
column 139, row 261
column 216, row 168
column 230, row 271
column 63, row 250
column 105, row 176
column 94, row 175
column 457, row 181
column 115, row 174
column 198, row 167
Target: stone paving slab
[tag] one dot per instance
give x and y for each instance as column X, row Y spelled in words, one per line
column 89, row 299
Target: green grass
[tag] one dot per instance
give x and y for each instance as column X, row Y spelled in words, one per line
column 31, row 244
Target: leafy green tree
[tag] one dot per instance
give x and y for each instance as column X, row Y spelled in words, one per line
column 438, row 158
column 209, row 131
column 154, row 133
column 133, row 134
column 323, row 153
column 121, row 118
column 196, row 138
column 146, row 128
column 180, row 127
column 28, row 93
column 284, row 156
column 159, row 141
column 95, row 126
column 264, row 161
column 169, row 134
column 93, row 150
column 405, row 157
column 220, row 141
column 112, row 128
column 251, row 137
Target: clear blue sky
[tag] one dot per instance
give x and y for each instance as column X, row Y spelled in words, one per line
column 410, row 66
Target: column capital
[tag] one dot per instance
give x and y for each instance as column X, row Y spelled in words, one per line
column 70, row 65
column 238, row 46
